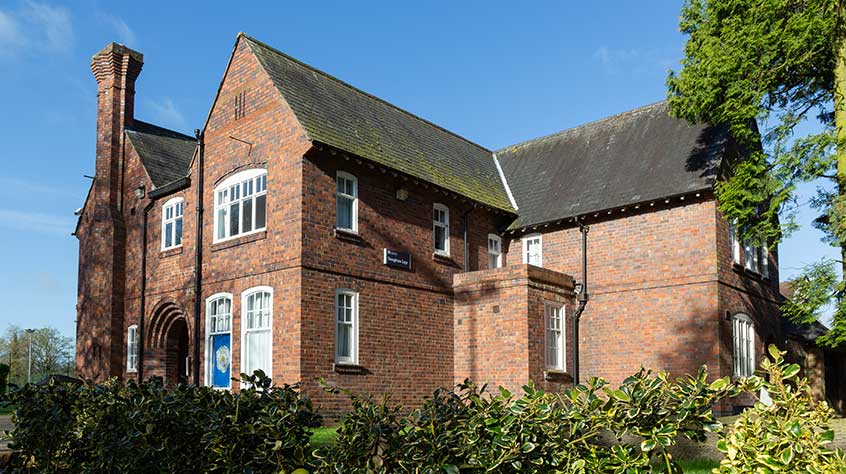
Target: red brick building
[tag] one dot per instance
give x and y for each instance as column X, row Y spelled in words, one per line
column 341, row 237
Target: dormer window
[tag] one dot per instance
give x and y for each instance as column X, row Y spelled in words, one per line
column 172, row 223
column 240, row 204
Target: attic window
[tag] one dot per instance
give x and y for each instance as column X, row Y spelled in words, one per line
column 240, row 104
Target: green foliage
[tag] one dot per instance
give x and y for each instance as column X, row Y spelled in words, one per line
column 762, row 68
column 4, row 377
column 789, row 435
column 142, row 428
column 472, row 430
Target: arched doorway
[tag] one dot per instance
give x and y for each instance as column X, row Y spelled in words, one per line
column 167, row 353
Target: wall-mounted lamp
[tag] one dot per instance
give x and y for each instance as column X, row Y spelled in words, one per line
column 578, row 288
column 139, row 192
column 402, row 194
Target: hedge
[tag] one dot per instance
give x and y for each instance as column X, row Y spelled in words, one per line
column 115, row 427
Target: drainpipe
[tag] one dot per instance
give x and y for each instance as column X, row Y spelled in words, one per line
column 466, row 222
column 198, row 256
column 583, row 300
column 143, row 300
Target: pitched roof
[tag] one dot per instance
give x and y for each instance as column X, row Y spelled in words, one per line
column 165, row 154
column 633, row 157
column 337, row 114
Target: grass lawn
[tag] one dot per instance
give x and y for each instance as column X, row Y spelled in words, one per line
column 323, row 436
column 698, row 466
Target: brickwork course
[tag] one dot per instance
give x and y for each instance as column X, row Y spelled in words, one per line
column 663, row 285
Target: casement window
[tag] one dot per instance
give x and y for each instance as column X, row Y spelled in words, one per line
column 765, row 261
column 346, row 202
column 735, row 242
column 219, row 340
column 532, row 250
column 256, row 323
column 743, row 332
column 554, row 334
column 172, row 223
column 494, row 251
column 440, row 226
column 240, row 204
column 750, row 256
column 346, row 326
column 132, row 349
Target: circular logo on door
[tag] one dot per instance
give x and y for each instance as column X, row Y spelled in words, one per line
column 221, row 358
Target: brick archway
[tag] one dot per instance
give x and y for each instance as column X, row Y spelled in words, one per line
column 167, row 350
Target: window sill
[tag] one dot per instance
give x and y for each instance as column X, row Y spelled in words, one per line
column 245, row 239
column 348, row 235
column 170, row 252
column 558, row 376
column 443, row 258
column 348, row 369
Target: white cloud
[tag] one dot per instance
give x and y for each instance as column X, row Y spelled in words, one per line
column 633, row 61
column 52, row 28
column 10, row 36
column 125, row 34
column 36, row 222
column 36, row 26
column 167, row 113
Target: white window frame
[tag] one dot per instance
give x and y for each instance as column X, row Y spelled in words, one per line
column 494, row 255
column 765, row 261
column 352, row 197
column 444, row 225
column 224, row 189
column 132, row 348
column 562, row 334
column 353, row 358
column 244, row 295
column 209, row 355
column 743, row 339
column 525, row 240
column 735, row 242
column 173, row 203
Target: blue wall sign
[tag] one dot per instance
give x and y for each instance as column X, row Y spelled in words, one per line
column 397, row 259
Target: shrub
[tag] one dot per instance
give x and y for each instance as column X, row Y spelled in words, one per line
column 472, row 430
column 147, row 427
column 788, row 435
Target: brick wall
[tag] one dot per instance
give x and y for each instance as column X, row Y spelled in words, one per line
column 653, row 291
column 499, row 326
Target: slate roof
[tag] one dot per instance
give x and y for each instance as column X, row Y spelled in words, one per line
column 165, row 154
column 806, row 332
column 337, row 114
column 633, row 157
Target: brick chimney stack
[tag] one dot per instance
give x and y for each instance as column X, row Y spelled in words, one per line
column 102, row 229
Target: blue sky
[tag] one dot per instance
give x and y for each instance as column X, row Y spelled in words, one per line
column 494, row 72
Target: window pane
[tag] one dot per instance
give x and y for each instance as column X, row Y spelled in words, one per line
column 261, row 215
column 221, row 223
column 247, row 217
column 440, row 238
column 168, row 235
column 344, row 213
column 178, row 237
column 234, row 218
column 344, row 334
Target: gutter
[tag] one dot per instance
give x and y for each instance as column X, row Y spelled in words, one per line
column 198, row 256
column 583, row 298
